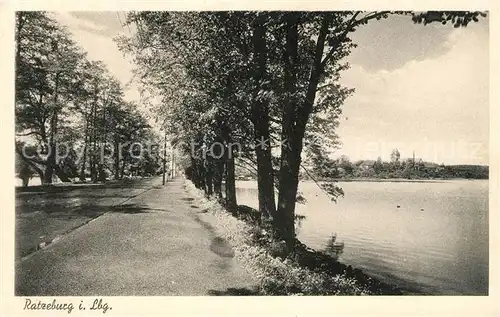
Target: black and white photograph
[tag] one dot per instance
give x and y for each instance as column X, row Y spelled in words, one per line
column 250, row 153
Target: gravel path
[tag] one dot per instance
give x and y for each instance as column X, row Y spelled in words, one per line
column 152, row 244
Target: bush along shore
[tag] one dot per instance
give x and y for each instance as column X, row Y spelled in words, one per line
column 302, row 272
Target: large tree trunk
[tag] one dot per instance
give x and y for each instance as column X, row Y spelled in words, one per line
column 122, row 172
column 32, row 164
column 192, row 172
column 93, row 156
column 84, row 159
column 230, row 189
column 217, row 161
column 61, row 174
column 209, row 189
column 218, row 176
column 101, row 173
column 19, row 26
column 294, row 121
column 200, row 174
column 117, row 158
column 84, row 162
column 49, row 171
column 290, row 152
column 102, row 146
column 260, row 119
column 51, row 159
column 230, row 182
column 288, row 186
column 53, row 167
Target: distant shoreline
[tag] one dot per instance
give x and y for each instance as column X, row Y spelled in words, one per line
column 382, row 180
column 398, row 180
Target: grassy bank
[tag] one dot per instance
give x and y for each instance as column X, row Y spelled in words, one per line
column 305, row 272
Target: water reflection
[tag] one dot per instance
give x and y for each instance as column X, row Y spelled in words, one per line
column 334, row 248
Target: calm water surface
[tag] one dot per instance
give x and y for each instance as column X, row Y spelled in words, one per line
column 437, row 241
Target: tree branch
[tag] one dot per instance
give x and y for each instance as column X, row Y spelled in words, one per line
column 29, row 133
column 315, row 181
column 351, row 24
column 30, row 160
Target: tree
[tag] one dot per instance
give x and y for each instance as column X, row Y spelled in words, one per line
column 346, row 165
column 62, row 99
column 378, row 165
column 325, row 36
column 277, row 72
column 46, row 63
column 395, row 156
column 24, row 171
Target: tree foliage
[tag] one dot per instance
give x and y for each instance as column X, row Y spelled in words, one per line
column 62, row 98
column 268, row 81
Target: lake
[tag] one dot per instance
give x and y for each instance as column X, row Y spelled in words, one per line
column 436, row 241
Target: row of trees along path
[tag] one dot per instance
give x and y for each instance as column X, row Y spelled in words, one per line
column 63, row 97
column 267, row 81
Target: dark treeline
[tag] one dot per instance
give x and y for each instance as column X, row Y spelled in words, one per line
column 345, row 169
column 253, row 90
column 396, row 168
column 71, row 117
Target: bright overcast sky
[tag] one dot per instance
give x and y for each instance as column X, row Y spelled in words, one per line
column 418, row 88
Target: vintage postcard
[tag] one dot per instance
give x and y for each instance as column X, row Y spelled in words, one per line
column 264, row 159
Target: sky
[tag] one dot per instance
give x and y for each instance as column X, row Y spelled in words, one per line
column 422, row 89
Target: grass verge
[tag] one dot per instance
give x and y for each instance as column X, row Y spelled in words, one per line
column 306, row 272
